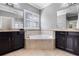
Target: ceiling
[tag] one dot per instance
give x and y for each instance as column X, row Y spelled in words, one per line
column 40, row 5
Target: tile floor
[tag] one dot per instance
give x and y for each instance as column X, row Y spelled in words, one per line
column 32, row 52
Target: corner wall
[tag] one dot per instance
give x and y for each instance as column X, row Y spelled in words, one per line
column 49, row 16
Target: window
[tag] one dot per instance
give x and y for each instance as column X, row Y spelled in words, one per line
column 31, row 20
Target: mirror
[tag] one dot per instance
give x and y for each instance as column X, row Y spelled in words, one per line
column 71, row 20
column 67, row 17
column 72, row 17
column 10, row 20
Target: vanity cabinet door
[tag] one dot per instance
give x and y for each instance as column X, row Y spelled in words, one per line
column 10, row 41
column 73, row 42
column 15, row 40
column 60, row 40
column 18, row 40
column 4, row 42
column 70, row 43
column 76, row 45
column 21, row 37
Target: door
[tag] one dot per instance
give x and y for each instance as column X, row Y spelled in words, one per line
column 70, row 43
column 60, row 40
column 14, row 41
column 21, row 37
column 4, row 42
column 18, row 40
column 76, row 45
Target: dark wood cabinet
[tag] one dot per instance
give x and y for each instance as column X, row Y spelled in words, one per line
column 60, row 42
column 76, row 45
column 10, row 41
column 18, row 38
column 68, row 41
column 4, row 43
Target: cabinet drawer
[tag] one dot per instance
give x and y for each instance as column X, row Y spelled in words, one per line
column 61, row 32
column 73, row 33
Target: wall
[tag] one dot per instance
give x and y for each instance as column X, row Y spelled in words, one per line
column 49, row 16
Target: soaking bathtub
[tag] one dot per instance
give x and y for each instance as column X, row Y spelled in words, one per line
column 40, row 42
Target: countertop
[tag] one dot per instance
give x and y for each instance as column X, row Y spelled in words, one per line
column 8, row 30
column 70, row 30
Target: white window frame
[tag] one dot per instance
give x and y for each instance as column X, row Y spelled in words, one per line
column 28, row 28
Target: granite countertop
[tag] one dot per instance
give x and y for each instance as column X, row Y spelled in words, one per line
column 70, row 30
column 8, row 30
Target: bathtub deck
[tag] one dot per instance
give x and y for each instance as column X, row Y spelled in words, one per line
column 42, row 36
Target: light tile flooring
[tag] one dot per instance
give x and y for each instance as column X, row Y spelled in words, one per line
column 32, row 52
